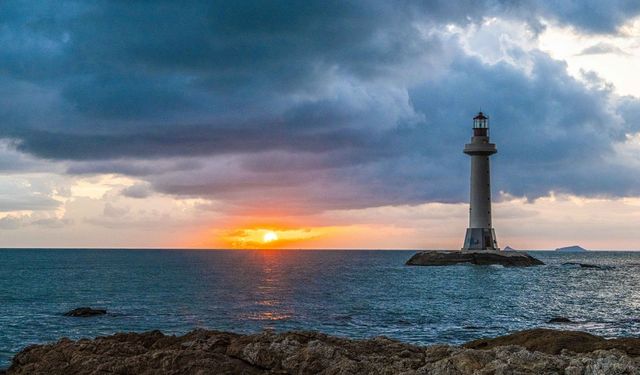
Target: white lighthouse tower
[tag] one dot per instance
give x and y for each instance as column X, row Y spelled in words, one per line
column 480, row 234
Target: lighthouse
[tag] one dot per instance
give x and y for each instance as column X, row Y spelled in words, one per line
column 480, row 245
column 480, row 234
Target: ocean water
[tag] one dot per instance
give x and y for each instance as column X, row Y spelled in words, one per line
column 355, row 294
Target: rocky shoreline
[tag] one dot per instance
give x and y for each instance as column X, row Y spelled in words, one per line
column 538, row 351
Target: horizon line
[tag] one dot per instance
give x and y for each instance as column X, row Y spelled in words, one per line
column 278, row 249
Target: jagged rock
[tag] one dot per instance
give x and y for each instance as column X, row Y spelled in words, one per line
column 559, row 319
column 82, row 312
column 486, row 257
column 211, row 352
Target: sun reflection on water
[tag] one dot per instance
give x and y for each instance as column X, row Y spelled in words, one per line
column 272, row 289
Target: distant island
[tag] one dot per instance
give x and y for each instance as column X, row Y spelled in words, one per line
column 571, row 249
column 509, row 248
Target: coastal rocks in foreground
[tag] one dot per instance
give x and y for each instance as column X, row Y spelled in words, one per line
column 211, row 352
column 551, row 341
column 83, row 312
column 485, row 257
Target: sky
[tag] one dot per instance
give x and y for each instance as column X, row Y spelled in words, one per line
column 316, row 124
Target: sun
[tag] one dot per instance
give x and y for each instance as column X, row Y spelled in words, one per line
column 269, row 237
column 272, row 236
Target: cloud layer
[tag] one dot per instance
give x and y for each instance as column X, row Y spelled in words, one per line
column 309, row 106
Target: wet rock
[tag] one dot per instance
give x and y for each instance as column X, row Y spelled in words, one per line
column 482, row 258
column 559, row 319
column 211, row 352
column 82, row 312
column 585, row 265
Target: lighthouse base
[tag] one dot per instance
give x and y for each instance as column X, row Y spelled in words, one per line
column 480, row 258
column 480, row 239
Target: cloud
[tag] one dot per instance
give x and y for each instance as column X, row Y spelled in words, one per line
column 30, row 203
column 52, row 223
column 306, row 107
column 12, row 222
column 553, row 134
column 21, row 194
column 590, row 15
column 131, row 167
column 138, row 191
column 113, row 211
column 602, row 48
column 13, row 161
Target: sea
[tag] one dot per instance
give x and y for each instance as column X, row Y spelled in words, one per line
column 349, row 293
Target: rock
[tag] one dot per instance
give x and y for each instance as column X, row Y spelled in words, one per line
column 487, row 257
column 82, row 312
column 585, row 265
column 552, row 341
column 212, row 352
column 571, row 249
column 559, row 319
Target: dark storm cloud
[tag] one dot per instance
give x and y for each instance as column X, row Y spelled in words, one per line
column 352, row 103
column 139, row 75
column 185, row 140
column 591, row 15
column 131, row 167
column 127, row 59
column 553, row 134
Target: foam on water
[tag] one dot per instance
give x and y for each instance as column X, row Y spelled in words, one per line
column 348, row 293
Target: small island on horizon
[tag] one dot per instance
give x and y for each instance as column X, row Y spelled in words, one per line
column 571, row 249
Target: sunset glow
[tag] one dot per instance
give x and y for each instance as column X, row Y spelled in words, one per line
column 270, row 236
column 247, row 238
column 261, row 237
